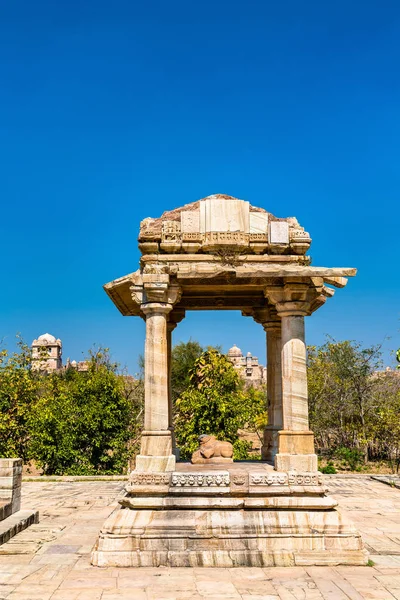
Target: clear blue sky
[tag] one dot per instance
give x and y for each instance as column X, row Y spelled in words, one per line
column 114, row 111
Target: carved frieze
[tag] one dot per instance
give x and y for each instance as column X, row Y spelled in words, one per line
column 258, row 237
column 298, row 235
column 239, row 479
column 149, row 478
column 171, row 231
column 296, row 478
column 222, row 479
column 268, row 479
column 191, row 236
column 226, row 237
column 200, row 479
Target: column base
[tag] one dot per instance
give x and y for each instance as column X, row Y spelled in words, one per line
column 296, row 451
column 296, row 462
column 155, row 464
column 269, row 449
column 156, row 443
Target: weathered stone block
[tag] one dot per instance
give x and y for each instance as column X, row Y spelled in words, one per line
column 223, row 215
column 279, row 232
column 258, row 223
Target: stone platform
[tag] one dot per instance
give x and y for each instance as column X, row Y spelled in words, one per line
column 245, row 514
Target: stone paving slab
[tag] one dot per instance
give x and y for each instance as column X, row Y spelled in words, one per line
column 51, row 560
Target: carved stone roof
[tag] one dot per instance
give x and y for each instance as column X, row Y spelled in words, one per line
column 222, row 253
column 222, row 222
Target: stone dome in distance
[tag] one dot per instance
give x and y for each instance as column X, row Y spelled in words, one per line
column 47, row 338
column 235, row 352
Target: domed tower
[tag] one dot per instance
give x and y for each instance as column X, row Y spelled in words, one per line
column 46, row 353
column 235, row 355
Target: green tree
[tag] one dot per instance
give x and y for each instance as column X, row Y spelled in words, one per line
column 18, row 392
column 82, row 422
column 183, row 358
column 216, row 402
column 386, row 423
column 342, row 399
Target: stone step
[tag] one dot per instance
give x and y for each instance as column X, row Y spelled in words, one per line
column 5, row 509
column 15, row 523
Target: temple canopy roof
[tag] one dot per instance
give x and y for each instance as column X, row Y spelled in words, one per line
column 224, row 253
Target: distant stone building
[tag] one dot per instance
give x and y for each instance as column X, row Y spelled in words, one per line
column 47, row 355
column 248, row 366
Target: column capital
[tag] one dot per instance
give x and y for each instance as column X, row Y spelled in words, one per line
column 154, row 286
column 293, row 298
column 293, row 309
column 266, row 316
column 161, row 308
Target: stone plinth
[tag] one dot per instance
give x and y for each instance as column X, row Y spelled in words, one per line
column 12, row 518
column 244, row 515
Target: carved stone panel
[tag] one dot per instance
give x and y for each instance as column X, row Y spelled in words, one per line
column 224, row 215
column 171, row 231
column 190, row 221
column 258, row 223
column 279, row 232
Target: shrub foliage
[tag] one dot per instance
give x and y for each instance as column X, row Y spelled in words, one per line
column 68, row 422
column 216, row 402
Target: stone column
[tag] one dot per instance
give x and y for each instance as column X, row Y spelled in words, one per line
column 170, row 328
column 156, row 443
column 295, row 440
column 274, row 390
column 175, row 317
column 271, row 323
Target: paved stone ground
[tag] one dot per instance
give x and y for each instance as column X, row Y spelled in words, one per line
column 51, row 560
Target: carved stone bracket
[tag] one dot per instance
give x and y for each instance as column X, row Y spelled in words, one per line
column 266, row 316
column 175, row 317
column 298, row 296
column 154, row 287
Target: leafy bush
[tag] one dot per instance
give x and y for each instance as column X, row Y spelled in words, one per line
column 18, row 393
column 329, row 468
column 81, row 423
column 68, row 422
column 216, row 402
column 351, row 457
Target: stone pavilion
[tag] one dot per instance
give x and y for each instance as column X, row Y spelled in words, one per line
column 222, row 253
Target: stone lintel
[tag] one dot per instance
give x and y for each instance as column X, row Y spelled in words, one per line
column 204, row 258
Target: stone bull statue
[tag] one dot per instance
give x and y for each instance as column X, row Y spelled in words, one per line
column 212, row 450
